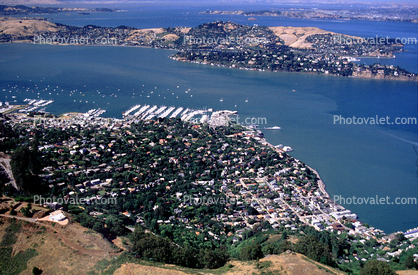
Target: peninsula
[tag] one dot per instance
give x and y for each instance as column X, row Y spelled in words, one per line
column 228, row 44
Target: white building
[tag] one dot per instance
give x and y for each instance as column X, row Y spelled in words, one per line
column 57, row 217
column 411, row 234
column 346, row 213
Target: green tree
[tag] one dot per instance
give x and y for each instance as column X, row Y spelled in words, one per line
column 26, row 164
column 186, row 256
column 213, row 258
column 312, row 247
column 375, row 267
column 409, row 261
column 252, row 252
column 284, row 235
column 27, row 210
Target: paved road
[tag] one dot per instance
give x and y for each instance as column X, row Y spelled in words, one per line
column 8, row 168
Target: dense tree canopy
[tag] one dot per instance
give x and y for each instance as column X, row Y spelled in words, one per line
column 375, row 267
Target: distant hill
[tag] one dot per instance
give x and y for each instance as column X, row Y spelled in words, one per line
column 21, row 9
column 27, row 27
column 29, row 2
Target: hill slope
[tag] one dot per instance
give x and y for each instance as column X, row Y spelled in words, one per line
column 70, row 249
column 25, row 27
column 291, row 263
column 73, row 249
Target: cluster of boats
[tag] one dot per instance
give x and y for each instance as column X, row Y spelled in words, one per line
column 94, row 112
column 146, row 112
column 34, row 104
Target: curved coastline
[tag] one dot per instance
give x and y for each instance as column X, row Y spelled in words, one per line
column 321, row 184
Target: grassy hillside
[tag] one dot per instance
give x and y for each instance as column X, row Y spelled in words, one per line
column 73, row 249
column 54, row 249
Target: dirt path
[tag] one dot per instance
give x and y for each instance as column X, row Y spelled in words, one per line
column 19, row 218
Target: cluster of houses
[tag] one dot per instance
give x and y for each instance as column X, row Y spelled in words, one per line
column 281, row 194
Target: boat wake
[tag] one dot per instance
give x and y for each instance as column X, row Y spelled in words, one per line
column 405, row 140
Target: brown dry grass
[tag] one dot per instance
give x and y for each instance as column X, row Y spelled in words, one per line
column 295, row 36
column 23, row 27
column 171, row 37
column 61, row 249
column 130, row 268
column 185, row 30
column 407, row 272
column 290, row 264
column 146, row 33
column 286, row 263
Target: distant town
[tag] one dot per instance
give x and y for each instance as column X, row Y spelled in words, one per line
column 389, row 13
column 227, row 44
column 21, row 9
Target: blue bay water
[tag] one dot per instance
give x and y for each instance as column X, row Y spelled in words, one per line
column 148, row 15
column 353, row 160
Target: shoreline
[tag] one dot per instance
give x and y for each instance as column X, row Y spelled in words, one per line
column 320, row 184
column 311, row 73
